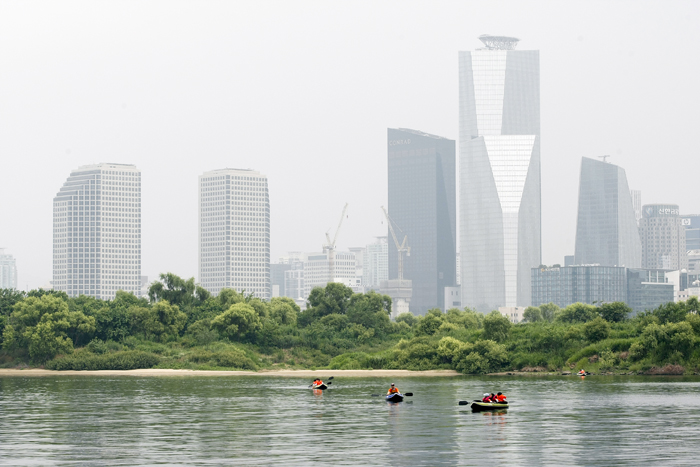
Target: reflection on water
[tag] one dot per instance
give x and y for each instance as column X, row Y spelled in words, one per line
column 280, row 421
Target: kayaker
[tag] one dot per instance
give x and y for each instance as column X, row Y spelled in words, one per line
column 582, row 372
column 393, row 390
column 500, row 397
column 318, row 382
column 486, row 398
column 493, row 398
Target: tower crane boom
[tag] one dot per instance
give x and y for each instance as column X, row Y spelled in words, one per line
column 400, row 247
column 329, row 247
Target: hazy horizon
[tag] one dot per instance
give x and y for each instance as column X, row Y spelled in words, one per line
column 304, row 93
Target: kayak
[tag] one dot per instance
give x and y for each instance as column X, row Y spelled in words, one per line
column 396, row 397
column 479, row 406
column 319, row 386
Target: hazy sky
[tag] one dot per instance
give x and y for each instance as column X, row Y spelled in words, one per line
column 304, row 92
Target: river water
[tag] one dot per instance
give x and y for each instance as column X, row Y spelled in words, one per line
column 92, row 420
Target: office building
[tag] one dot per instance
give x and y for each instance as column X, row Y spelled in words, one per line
column 294, row 282
column 8, row 270
column 663, row 237
column 691, row 222
column 376, row 264
column 97, row 232
column 421, row 183
column 500, row 209
column 234, row 232
column 277, row 280
column 648, row 289
column 586, row 284
column 606, row 229
column 359, row 252
column 317, row 270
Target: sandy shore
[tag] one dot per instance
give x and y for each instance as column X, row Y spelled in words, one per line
column 286, row 373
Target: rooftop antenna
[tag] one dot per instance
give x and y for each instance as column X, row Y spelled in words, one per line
column 604, row 158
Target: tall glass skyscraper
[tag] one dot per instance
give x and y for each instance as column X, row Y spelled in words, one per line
column 422, row 206
column 234, row 232
column 8, row 271
column 606, row 228
column 499, row 154
column 97, row 232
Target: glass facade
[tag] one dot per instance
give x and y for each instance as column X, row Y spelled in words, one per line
column 648, row 289
column 584, row 284
column 606, row 228
column 234, row 232
column 691, row 222
column 97, row 232
column 376, row 264
column 500, row 207
column 422, row 199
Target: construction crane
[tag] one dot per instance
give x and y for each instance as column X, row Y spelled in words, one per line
column 400, row 247
column 329, row 247
column 605, row 158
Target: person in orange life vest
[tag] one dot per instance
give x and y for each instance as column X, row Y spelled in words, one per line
column 500, row 397
column 317, row 382
column 393, row 390
column 486, row 398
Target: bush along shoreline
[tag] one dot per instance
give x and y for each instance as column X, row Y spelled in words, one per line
column 181, row 326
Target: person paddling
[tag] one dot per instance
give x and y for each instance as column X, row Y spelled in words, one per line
column 393, row 390
column 486, row 398
column 582, row 372
column 317, row 382
column 501, row 398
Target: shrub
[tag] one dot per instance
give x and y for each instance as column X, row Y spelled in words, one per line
column 128, row 360
column 496, row 327
column 596, row 330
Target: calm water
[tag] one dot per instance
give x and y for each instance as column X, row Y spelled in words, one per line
column 277, row 421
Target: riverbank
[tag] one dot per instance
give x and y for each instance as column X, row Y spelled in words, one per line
column 155, row 372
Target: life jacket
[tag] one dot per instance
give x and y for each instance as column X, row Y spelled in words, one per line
column 393, row 390
column 486, row 399
column 501, row 398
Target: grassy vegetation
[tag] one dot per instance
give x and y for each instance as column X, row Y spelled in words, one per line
column 182, row 326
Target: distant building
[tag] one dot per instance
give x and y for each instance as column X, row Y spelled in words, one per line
column 568, row 260
column 691, row 222
column 317, row 270
column 663, row 237
column 376, row 267
column 499, row 153
column 359, row 252
column 421, row 186
column 606, row 229
column 97, row 232
column 453, row 297
column 294, row 282
column 637, row 204
column 277, row 281
column 8, row 270
column 513, row 313
column 144, row 286
column 647, row 289
column 586, row 284
column 400, row 292
column 234, row 232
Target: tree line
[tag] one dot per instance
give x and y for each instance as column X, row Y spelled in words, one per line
column 181, row 325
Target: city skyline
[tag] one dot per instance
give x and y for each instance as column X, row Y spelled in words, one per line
column 165, row 100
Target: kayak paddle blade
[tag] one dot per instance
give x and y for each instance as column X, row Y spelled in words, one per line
column 463, row 402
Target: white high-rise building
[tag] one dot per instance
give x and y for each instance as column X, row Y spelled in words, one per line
column 376, row 264
column 234, row 232
column 97, row 232
column 317, row 270
column 499, row 154
column 8, row 271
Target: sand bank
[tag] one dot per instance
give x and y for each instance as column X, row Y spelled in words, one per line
column 285, row 373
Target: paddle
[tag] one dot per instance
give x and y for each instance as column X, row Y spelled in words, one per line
column 408, row 394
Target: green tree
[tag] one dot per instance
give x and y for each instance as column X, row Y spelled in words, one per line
column 162, row 321
column 496, row 327
column 596, row 330
column 549, row 311
column 408, row 318
column 430, row 323
column 578, row 313
column 532, row 314
column 239, row 322
column 182, row 293
column 322, row 301
column 615, row 312
column 484, row 356
column 284, row 311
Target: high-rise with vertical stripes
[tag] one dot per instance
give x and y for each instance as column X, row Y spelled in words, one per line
column 499, row 154
column 97, row 231
column 234, row 232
